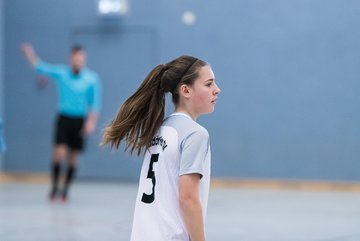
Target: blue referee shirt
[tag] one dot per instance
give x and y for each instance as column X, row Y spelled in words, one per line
column 78, row 94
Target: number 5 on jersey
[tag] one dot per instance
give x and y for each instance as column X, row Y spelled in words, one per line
column 146, row 198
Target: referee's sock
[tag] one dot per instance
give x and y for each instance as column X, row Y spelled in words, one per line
column 55, row 173
column 69, row 178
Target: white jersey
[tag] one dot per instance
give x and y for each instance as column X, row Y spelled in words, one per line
column 181, row 146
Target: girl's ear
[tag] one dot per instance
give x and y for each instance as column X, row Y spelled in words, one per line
column 184, row 91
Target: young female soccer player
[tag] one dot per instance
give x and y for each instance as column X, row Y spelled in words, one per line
column 175, row 176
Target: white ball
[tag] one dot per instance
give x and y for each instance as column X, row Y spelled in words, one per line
column 188, row 18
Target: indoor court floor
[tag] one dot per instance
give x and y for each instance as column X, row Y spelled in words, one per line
column 102, row 211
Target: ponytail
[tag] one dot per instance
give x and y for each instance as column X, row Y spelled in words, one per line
column 142, row 114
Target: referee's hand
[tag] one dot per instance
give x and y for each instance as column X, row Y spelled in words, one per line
column 89, row 127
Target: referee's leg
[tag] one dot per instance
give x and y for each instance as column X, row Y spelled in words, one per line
column 59, row 154
column 71, row 170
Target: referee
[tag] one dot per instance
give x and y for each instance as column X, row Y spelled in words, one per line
column 78, row 107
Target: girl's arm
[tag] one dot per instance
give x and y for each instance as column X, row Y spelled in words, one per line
column 190, row 206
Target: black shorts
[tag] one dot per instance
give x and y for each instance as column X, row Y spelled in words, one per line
column 68, row 131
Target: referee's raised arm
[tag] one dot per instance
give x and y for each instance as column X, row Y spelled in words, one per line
column 28, row 51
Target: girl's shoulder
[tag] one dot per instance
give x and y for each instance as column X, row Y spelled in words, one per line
column 185, row 126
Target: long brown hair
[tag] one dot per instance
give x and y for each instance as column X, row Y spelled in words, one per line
column 142, row 114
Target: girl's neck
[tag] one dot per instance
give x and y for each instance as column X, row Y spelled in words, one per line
column 188, row 113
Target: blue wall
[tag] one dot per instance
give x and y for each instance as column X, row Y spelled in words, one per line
column 288, row 70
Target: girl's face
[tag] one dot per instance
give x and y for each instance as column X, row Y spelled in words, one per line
column 203, row 93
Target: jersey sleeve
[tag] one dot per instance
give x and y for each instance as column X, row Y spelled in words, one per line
column 42, row 67
column 193, row 150
column 94, row 95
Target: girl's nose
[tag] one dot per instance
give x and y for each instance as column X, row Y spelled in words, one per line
column 217, row 89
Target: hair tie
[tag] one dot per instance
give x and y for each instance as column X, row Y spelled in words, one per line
column 159, row 76
column 187, row 69
column 184, row 73
column 164, row 68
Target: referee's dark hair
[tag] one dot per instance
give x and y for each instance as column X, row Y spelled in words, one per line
column 77, row 48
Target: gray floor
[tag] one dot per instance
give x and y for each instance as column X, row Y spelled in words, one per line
column 103, row 212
